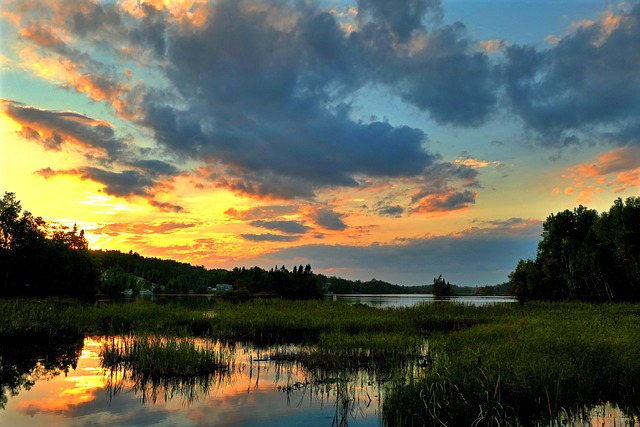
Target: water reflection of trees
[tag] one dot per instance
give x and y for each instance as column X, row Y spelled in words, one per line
column 24, row 362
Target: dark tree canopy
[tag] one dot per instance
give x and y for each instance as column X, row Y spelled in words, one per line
column 40, row 259
column 584, row 255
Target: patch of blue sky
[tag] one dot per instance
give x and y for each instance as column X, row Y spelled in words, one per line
column 521, row 21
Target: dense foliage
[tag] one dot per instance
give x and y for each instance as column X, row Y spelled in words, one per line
column 41, row 259
column 133, row 271
column 586, row 256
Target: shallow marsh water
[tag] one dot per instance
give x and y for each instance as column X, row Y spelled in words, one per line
column 63, row 390
column 64, row 382
column 255, row 391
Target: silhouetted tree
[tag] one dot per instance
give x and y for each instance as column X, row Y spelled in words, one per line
column 38, row 259
column 441, row 288
column 586, row 256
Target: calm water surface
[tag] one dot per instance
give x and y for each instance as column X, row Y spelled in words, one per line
column 256, row 392
column 409, row 300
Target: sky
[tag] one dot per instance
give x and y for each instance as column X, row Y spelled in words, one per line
column 391, row 139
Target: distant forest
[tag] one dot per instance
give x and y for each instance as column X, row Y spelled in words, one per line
column 582, row 255
column 39, row 259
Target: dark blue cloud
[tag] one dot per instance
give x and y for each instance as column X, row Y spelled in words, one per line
column 589, row 83
column 284, row 226
column 268, row 237
column 267, row 99
column 391, row 210
column 401, row 17
column 329, row 219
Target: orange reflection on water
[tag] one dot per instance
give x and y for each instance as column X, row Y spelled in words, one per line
column 63, row 392
column 254, row 391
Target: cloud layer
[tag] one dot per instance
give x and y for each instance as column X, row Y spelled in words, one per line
column 261, row 92
column 264, row 99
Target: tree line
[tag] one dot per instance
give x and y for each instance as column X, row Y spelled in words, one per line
column 585, row 255
column 37, row 258
column 40, row 259
column 439, row 287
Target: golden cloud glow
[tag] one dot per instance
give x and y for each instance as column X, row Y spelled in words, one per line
column 475, row 163
column 183, row 12
column 607, row 22
column 617, row 170
column 60, row 394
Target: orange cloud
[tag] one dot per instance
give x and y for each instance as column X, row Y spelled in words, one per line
column 56, row 130
column 184, row 12
column 70, row 74
column 437, row 204
column 624, row 180
column 618, row 169
column 115, row 229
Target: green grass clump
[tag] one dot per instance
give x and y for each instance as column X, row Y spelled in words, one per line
column 161, row 357
column 165, row 366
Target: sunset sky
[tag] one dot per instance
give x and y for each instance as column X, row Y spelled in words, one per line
column 395, row 140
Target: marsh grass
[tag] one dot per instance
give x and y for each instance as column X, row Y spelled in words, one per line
column 162, row 356
column 40, row 319
column 533, row 364
column 506, row 364
column 162, row 366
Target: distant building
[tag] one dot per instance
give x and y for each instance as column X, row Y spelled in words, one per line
column 223, row 287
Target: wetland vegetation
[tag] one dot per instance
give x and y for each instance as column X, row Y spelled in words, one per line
column 439, row 364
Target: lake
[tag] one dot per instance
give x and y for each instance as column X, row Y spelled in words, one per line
column 374, row 300
column 409, row 300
